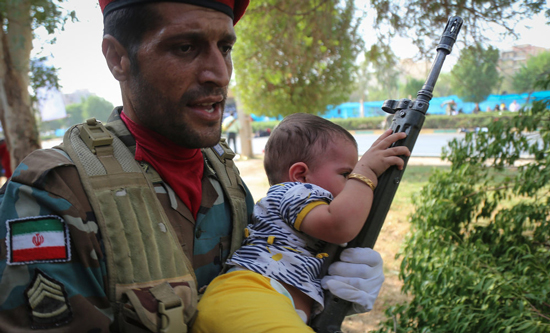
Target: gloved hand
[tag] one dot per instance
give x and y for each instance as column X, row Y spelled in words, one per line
column 356, row 278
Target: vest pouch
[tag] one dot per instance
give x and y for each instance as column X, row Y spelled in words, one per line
column 157, row 309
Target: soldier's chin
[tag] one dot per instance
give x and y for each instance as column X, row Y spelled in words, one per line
column 197, row 142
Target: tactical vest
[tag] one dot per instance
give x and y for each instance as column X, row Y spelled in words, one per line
column 149, row 278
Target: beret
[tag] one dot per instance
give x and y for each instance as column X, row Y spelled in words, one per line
column 233, row 8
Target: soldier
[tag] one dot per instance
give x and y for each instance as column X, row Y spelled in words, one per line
column 122, row 226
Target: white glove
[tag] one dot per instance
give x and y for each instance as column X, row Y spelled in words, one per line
column 357, row 278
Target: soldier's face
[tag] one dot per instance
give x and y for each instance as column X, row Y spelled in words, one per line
column 184, row 66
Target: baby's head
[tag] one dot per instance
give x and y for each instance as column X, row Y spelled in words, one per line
column 305, row 138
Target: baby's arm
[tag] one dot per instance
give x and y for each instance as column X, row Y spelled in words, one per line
column 341, row 220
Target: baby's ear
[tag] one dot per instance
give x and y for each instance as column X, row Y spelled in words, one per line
column 298, row 172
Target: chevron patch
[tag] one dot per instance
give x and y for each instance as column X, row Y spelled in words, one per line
column 48, row 302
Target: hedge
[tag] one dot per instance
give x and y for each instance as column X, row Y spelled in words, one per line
column 467, row 121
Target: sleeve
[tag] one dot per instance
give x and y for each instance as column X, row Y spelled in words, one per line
column 299, row 200
column 52, row 267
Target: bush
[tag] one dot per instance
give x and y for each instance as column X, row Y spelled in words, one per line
column 478, row 257
column 468, row 121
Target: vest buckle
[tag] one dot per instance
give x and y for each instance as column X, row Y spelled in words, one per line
column 94, row 134
column 171, row 319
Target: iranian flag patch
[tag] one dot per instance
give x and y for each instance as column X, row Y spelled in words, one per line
column 37, row 239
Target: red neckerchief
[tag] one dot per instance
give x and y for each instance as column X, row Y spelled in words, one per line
column 180, row 167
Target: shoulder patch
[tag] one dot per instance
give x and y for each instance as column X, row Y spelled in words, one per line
column 37, row 239
column 47, row 299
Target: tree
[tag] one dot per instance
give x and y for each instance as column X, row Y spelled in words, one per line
column 535, row 68
column 383, row 65
column 295, row 56
column 411, row 87
column 443, row 86
column 74, row 114
column 475, row 74
column 97, row 107
column 478, row 258
column 423, row 21
column 19, row 18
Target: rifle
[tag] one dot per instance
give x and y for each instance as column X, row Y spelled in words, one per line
column 409, row 118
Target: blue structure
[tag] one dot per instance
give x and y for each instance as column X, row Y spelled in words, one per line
column 373, row 109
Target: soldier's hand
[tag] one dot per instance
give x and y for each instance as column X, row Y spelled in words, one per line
column 357, row 278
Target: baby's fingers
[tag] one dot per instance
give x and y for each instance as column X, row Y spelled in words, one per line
column 395, row 160
column 399, row 151
column 384, row 135
column 384, row 142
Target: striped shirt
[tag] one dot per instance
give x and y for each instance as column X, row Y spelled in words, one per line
column 274, row 245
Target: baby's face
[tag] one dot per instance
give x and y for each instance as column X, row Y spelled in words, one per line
column 334, row 167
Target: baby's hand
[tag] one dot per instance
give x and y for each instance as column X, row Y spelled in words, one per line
column 380, row 156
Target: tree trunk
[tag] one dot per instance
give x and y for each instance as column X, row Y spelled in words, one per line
column 246, row 130
column 16, row 113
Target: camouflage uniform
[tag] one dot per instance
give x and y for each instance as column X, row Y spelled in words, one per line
column 68, row 292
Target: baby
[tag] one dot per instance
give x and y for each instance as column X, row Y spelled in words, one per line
column 319, row 193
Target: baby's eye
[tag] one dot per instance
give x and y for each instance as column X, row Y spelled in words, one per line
column 346, row 174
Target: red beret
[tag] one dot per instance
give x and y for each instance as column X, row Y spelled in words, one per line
column 234, row 8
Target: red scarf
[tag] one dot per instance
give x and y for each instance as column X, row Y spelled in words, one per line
column 180, row 167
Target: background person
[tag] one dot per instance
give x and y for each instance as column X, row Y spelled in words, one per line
column 231, row 126
column 319, row 193
column 476, row 109
column 514, row 106
column 119, row 229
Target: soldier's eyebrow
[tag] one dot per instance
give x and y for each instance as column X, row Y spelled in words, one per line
column 228, row 37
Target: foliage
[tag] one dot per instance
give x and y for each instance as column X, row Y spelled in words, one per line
column 74, row 114
column 92, row 106
column 51, row 16
column 478, row 258
column 475, row 74
column 50, row 126
column 97, row 107
column 535, row 69
column 295, row 56
column 381, row 64
column 443, row 85
column 411, row 87
column 19, row 18
column 438, row 122
column 42, row 76
column 423, row 21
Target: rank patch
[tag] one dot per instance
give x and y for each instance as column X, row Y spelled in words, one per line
column 48, row 302
column 37, row 239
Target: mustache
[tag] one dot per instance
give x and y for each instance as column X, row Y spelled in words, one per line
column 203, row 92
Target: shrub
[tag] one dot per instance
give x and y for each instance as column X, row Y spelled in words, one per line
column 478, row 257
column 467, row 121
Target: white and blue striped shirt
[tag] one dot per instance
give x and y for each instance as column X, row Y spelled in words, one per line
column 274, row 245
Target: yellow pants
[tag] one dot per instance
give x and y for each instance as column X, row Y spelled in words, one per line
column 246, row 302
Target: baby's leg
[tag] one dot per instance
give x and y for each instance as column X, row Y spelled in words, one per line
column 246, row 302
column 301, row 302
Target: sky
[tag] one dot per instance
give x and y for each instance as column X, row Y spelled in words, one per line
column 78, row 57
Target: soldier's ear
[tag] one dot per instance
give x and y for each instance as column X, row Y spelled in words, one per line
column 298, row 172
column 117, row 58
